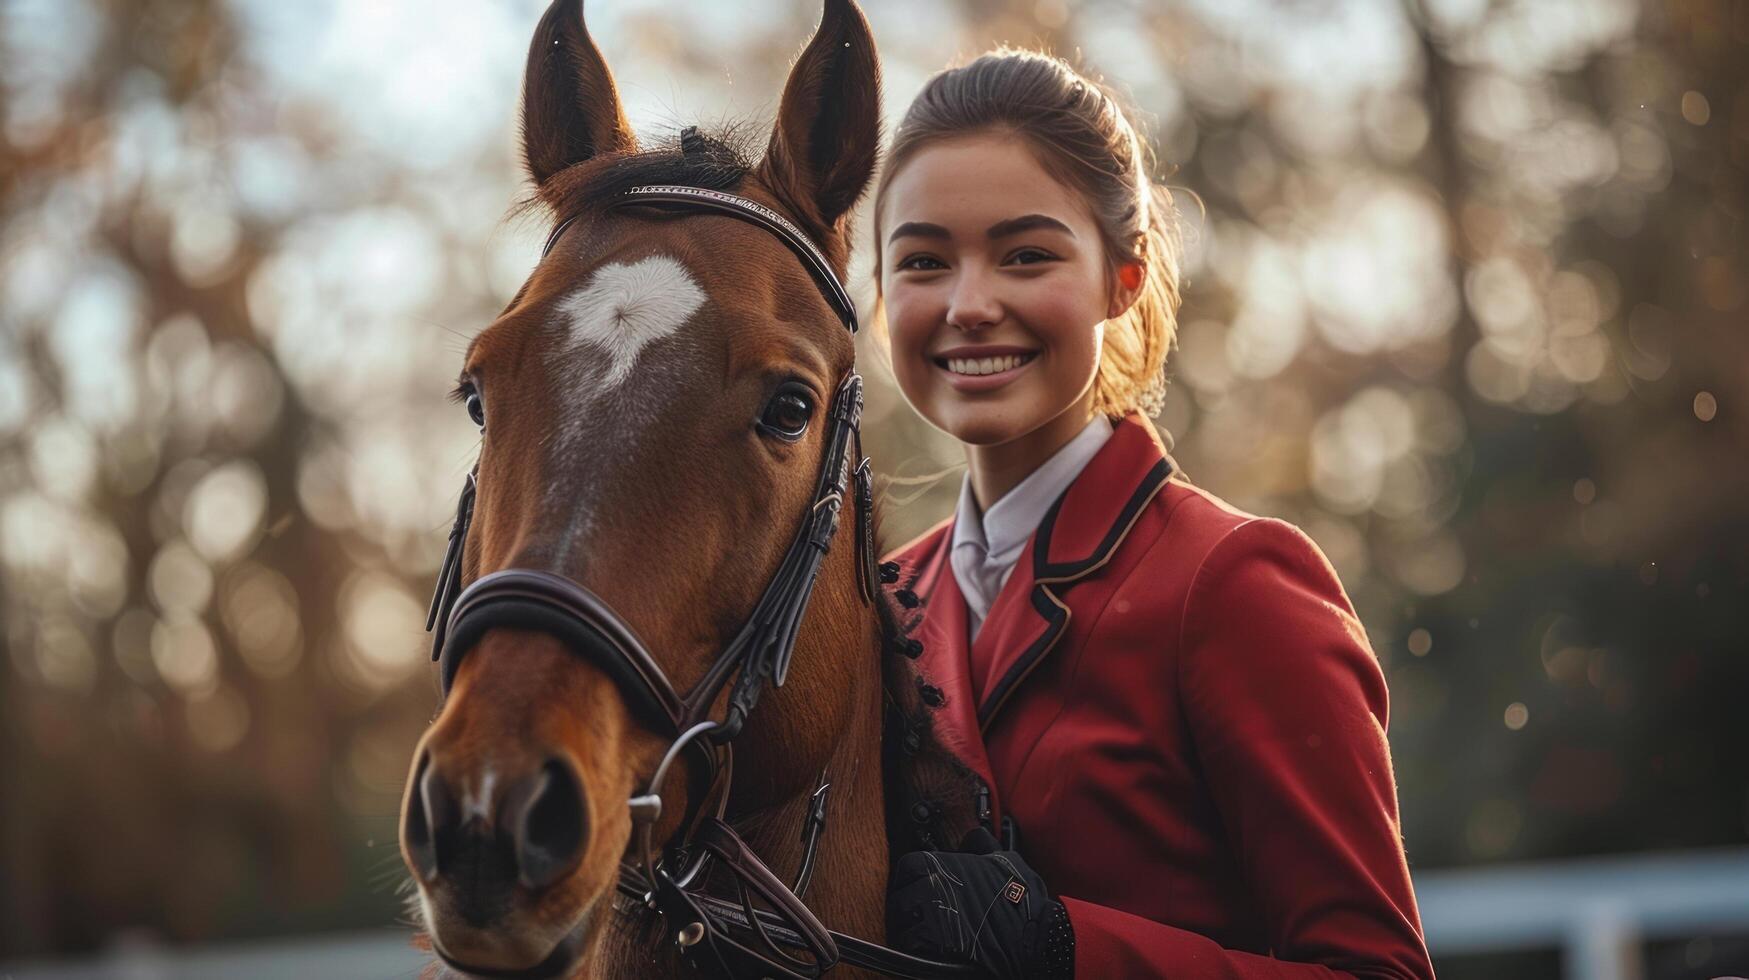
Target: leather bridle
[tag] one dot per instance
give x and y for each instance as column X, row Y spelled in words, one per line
column 724, row 938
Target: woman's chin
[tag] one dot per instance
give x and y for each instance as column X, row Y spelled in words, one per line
column 989, row 424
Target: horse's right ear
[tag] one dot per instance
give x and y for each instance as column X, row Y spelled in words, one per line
column 570, row 106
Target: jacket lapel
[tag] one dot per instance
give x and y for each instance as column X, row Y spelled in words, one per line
column 1077, row 537
column 1014, row 628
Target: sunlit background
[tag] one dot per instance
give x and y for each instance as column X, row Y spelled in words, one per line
column 1468, row 299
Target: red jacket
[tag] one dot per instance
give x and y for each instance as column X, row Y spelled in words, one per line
column 1175, row 702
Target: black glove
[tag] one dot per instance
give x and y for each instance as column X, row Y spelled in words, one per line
column 985, row 906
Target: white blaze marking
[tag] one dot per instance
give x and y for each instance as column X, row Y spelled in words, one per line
column 480, row 804
column 625, row 307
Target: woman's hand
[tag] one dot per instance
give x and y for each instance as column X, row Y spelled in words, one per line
column 982, row 905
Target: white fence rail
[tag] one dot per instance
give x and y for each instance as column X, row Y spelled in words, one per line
column 1598, row 912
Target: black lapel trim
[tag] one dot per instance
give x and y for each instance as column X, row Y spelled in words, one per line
column 1056, row 616
column 1046, row 574
column 1043, row 569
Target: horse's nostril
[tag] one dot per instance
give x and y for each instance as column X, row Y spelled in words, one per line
column 431, row 814
column 550, row 821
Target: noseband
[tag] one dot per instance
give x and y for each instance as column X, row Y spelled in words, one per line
column 723, row 938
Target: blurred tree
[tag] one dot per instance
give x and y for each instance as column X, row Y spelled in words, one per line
column 183, row 757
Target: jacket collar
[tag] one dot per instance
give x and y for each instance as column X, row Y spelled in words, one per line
column 1077, row 537
column 986, row 546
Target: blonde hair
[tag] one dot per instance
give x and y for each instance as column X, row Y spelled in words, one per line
column 1082, row 137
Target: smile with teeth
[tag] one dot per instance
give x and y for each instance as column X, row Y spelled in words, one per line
column 984, row 365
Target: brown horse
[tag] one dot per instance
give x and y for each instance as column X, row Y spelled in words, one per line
column 654, row 404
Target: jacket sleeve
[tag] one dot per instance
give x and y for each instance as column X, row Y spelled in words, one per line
column 1287, row 709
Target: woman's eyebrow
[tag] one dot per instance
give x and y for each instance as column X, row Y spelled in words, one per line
column 1001, row 229
column 921, row 229
column 1026, row 222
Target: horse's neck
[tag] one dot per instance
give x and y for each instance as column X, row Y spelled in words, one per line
column 848, row 883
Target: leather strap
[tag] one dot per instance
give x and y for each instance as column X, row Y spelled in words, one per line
column 851, row 950
column 681, row 907
column 530, row 599
column 449, row 574
column 681, row 197
column 750, row 872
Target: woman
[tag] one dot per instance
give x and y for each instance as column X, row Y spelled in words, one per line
column 1172, row 700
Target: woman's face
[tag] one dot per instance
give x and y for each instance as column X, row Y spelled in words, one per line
column 996, row 290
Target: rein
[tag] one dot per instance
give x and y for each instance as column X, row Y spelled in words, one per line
column 725, row 939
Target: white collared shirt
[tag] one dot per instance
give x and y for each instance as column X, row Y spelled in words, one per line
column 986, row 546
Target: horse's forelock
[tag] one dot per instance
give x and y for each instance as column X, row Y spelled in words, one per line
column 724, row 159
column 720, row 160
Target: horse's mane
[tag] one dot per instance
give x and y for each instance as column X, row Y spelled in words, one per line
column 931, row 795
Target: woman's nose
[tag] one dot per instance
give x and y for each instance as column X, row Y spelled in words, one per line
column 972, row 304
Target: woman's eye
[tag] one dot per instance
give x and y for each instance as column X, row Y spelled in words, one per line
column 1030, row 256
column 786, row 415
column 476, row 408
column 920, row 263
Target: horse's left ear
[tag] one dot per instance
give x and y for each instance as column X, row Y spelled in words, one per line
column 828, row 130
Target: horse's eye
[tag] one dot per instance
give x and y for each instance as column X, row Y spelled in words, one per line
column 786, row 415
column 476, row 408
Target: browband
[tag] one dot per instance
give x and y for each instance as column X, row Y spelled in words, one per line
column 681, row 197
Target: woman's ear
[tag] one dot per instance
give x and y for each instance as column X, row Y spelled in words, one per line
column 1126, row 288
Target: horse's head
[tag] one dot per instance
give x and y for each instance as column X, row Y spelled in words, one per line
column 655, row 405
